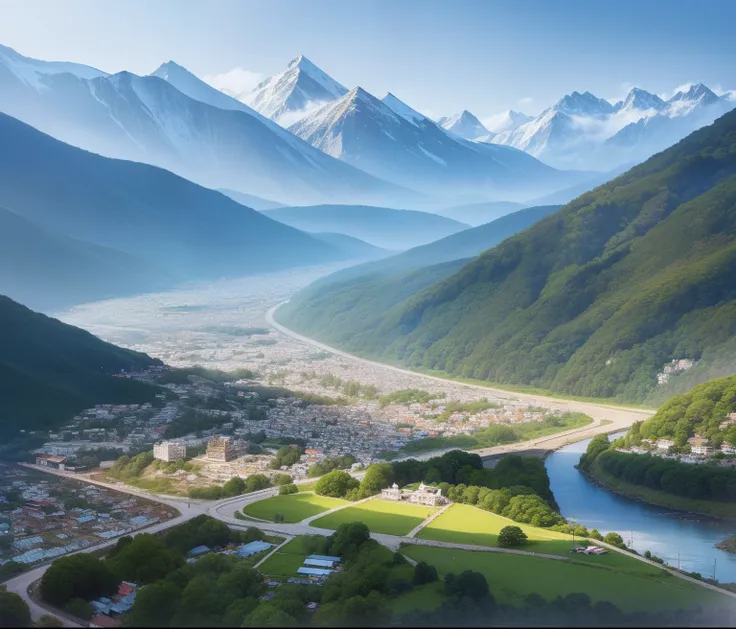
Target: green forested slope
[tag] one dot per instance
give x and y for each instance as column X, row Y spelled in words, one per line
column 592, row 300
column 49, row 371
column 704, row 411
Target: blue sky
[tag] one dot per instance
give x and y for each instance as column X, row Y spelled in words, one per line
column 439, row 56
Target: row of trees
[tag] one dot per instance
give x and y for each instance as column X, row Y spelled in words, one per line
column 236, row 486
column 330, row 463
column 339, row 484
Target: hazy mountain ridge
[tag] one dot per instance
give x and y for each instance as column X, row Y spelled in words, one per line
column 50, row 371
column 592, row 300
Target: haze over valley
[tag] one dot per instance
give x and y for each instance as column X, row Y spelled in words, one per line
column 367, row 314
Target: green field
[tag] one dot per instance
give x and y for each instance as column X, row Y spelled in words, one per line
column 512, row 577
column 380, row 516
column 294, row 507
column 425, row 597
column 464, row 524
column 286, row 561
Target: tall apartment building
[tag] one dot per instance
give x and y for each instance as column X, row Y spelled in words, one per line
column 223, row 449
column 169, row 451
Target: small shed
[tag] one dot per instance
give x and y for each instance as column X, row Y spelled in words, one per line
column 314, row 572
column 199, row 550
column 332, row 558
column 319, row 563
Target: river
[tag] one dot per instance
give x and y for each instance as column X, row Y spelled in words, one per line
column 663, row 532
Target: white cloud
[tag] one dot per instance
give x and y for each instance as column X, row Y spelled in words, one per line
column 290, row 117
column 526, row 100
column 236, row 81
column 680, row 88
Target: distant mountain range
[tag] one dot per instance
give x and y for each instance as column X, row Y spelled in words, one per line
column 390, row 140
column 461, row 245
column 158, row 218
column 293, row 93
column 174, row 120
column 50, row 371
column 592, row 300
column 582, row 130
column 48, row 270
column 382, row 227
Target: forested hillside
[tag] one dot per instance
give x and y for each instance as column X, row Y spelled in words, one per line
column 705, row 411
column 594, row 299
column 50, row 371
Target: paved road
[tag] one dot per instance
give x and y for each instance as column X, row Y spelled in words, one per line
column 606, row 418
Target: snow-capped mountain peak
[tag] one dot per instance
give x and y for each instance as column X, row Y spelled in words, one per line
column 464, row 124
column 292, row 94
column 640, row 100
column 506, row 121
column 697, row 92
column 585, row 104
column 400, row 107
column 31, row 72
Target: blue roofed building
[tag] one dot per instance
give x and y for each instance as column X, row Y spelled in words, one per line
column 319, row 563
column 83, row 519
column 247, row 550
column 199, row 550
column 331, row 558
column 314, row 572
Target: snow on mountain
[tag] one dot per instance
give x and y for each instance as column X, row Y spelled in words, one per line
column 33, row 72
column 301, row 88
column 204, row 136
column 464, row 124
column 505, row 121
column 401, row 108
column 584, row 131
column 640, row 100
column 398, row 144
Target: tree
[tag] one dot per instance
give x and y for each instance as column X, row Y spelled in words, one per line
column 144, row 560
column 287, row 489
column 256, row 482
column 234, row 487
column 335, row 484
column 424, row 573
column 47, row 620
column 468, row 584
column 77, row 576
column 282, row 479
column 14, row 611
column 268, row 615
column 80, row 608
column 511, row 536
column 594, row 534
column 155, row 605
column 615, row 540
column 238, row 610
column 348, row 538
column 377, row 477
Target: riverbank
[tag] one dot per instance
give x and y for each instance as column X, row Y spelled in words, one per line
column 718, row 510
column 728, row 544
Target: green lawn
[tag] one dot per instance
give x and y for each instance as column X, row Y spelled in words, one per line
column 464, row 524
column 425, row 597
column 289, row 558
column 380, row 516
column 512, row 577
column 294, row 507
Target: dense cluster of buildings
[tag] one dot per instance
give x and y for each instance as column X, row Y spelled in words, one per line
column 49, row 516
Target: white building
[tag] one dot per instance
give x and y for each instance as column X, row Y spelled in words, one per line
column 169, row 451
column 664, row 444
column 424, row 495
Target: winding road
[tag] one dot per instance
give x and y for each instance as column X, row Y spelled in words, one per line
column 606, row 419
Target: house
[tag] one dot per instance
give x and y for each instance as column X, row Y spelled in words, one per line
column 664, row 444
column 701, row 450
column 319, row 563
column 332, row 558
column 199, row 550
column 48, row 460
column 252, row 549
column 104, row 621
column 314, row 572
column 424, row 495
